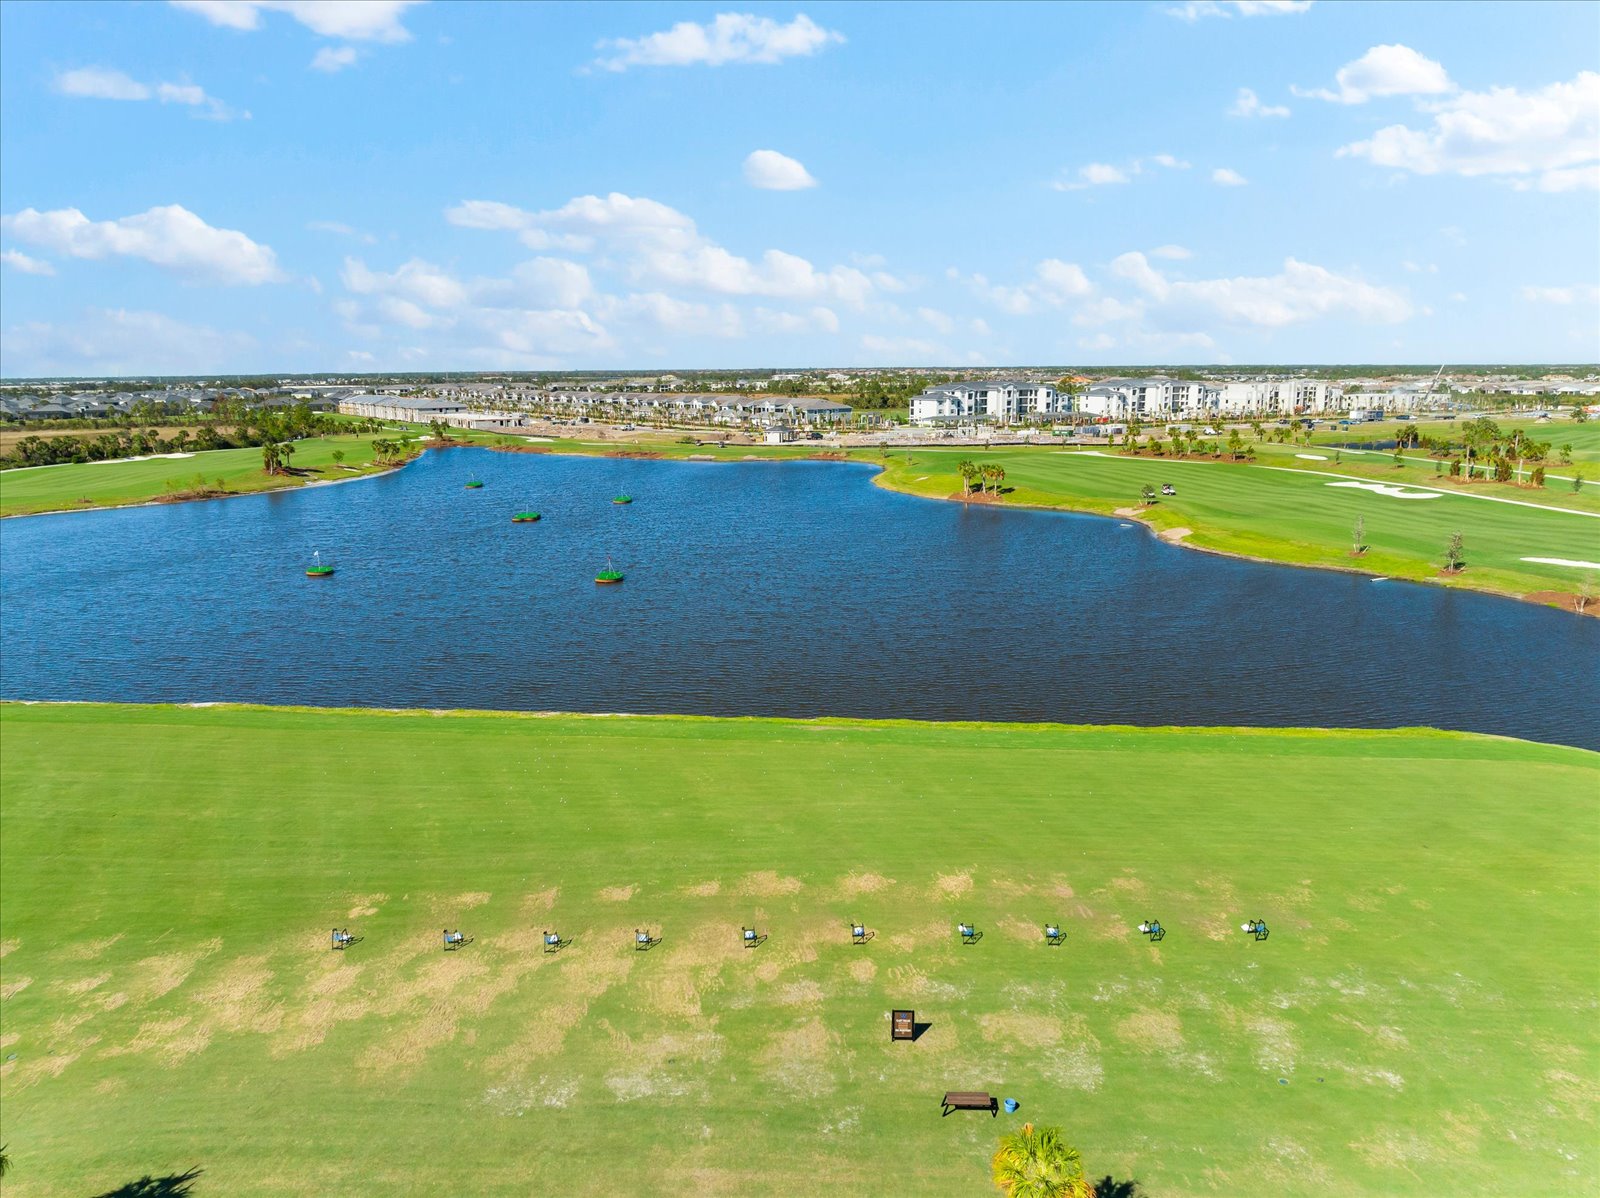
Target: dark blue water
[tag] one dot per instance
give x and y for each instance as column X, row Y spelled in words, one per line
column 752, row 589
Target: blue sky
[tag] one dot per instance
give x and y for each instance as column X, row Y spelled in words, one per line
column 276, row 185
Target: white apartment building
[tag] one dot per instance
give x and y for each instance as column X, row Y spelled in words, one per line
column 1149, row 399
column 996, row 401
column 1279, row 396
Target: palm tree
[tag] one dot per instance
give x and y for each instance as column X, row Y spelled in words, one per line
column 968, row 472
column 1037, row 1163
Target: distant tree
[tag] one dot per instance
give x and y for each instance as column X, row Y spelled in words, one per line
column 437, row 428
column 1455, row 554
column 1566, row 454
column 1147, row 493
column 1036, row 1162
column 1577, row 481
column 1585, row 595
column 1538, row 476
column 1580, row 415
column 995, row 474
column 338, row 456
column 5, row 1160
column 1358, row 536
column 1235, row 444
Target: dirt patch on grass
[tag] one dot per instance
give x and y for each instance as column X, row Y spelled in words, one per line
column 9, row 1038
column 14, row 987
column 1567, row 600
column 7, row 947
column 863, row 970
column 856, row 885
column 704, row 890
column 1017, row 1027
column 617, row 894
column 1152, row 1031
column 655, row 1067
column 83, row 985
column 363, row 905
column 237, row 1001
column 953, row 886
column 910, row 980
column 89, row 949
column 1173, row 535
column 797, row 1061
column 170, row 1040
column 156, row 976
column 470, row 900
column 768, row 884
column 634, row 453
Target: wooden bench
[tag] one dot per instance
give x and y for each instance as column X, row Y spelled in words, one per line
column 964, row 1100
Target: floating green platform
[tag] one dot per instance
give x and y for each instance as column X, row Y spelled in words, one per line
column 623, row 499
column 319, row 571
column 474, row 485
column 524, row 517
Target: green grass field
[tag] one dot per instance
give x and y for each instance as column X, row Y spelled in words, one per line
column 118, row 483
column 1296, row 515
column 1421, row 1022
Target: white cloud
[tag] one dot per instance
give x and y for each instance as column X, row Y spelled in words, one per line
column 1302, row 292
column 415, row 281
column 1224, row 177
column 1098, row 341
column 938, row 321
column 331, row 59
column 352, row 20
column 728, row 37
column 1096, row 174
column 1391, row 70
column 1552, row 134
column 553, row 283
column 1060, row 281
column 1194, row 10
column 772, row 171
column 17, row 260
column 652, row 243
column 1101, row 174
column 100, row 83
column 103, row 83
column 171, row 237
column 1054, row 283
column 121, row 342
column 1175, row 253
column 1106, row 310
column 1582, row 293
column 1248, row 104
column 340, row 229
column 905, row 351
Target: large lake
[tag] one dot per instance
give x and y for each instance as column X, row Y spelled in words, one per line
column 753, row 589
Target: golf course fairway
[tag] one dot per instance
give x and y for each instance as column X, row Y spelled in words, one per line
column 1421, row 1021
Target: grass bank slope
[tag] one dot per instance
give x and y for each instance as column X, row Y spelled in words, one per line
column 1422, row 1020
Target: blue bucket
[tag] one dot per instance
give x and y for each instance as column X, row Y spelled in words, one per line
column 1011, row 1106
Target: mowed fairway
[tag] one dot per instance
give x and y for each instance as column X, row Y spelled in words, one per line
column 1422, row 1021
column 1296, row 515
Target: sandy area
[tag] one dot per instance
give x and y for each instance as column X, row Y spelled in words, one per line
column 1563, row 561
column 1392, row 492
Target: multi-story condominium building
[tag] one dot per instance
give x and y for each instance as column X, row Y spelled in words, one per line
column 996, row 401
column 1149, row 399
column 1281, row 396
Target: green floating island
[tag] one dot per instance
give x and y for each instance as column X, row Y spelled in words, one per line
column 608, row 576
column 474, row 485
column 623, row 499
column 318, row 571
column 524, row 517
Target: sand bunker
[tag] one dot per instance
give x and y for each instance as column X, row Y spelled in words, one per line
column 1312, row 457
column 1392, row 492
column 1563, row 561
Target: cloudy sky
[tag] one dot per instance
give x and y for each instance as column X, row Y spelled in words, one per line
column 290, row 185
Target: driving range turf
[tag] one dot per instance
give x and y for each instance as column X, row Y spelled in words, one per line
column 1421, row 1021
